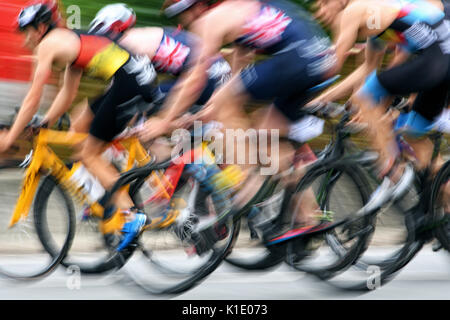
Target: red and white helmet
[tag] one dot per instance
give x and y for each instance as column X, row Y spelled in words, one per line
column 113, row 18
column 38, row 11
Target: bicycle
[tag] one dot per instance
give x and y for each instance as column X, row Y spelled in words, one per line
column 334, row 171
column 102, row 257
column 155, row 265
column 274, row 252
column 424, row 220
column 43, row 160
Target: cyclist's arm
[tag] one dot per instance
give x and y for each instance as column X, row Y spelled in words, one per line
column 240, row 58
column 373, row 58
column 195, row 80
column 348, row 33
column 65, row 96
column 30, row 105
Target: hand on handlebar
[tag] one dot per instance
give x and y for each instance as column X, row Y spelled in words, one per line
column 185, row 121
column 325, row 109
column 207, row 113
column 153, row 128
column 5, row 142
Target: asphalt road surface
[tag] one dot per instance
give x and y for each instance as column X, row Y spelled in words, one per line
column 426, row 277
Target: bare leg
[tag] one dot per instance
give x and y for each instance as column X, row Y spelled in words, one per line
column 91, row 157
column 379, row 131
column 227, row 104
column 306, row 201
column 82, row 121
column 423, row 149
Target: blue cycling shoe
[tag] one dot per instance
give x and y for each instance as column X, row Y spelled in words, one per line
column 131, row 229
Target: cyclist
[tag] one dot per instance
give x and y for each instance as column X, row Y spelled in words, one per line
column 96, row 57
column 298, row 58
column 172, row 51
column 421, row 30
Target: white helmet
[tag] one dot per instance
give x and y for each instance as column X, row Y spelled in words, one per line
column 113, row 18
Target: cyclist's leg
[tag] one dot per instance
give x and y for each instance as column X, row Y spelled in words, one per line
column 274, row 119
column 428, row 105
column 281, row 76
column 102, row 131
column 227, row 103
column 106, row 124
column 83, row 120
column 91, row 156
column 423, row 73
column 289, row 98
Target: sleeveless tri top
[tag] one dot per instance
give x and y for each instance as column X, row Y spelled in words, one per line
column 99, row 56
column 417, row 26
column 266, row 29
column 174, row 51
column 279, row 25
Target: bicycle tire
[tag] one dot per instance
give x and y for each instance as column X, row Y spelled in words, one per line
column 297, row 252
column 441, row 232
column 99, row 264
column 198, row 274
column 376, row 272
column 41, row 227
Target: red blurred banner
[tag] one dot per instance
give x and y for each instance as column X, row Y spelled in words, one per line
column 15, row 60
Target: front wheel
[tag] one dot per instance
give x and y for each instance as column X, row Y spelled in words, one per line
column 89, row 252
column 440, row 212
column 340, row 189
column 25, row 256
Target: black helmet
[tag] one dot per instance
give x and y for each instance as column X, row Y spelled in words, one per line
column 34, row 15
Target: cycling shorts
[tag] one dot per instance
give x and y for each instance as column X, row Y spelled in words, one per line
column 285, row 77
column 426, row 74
column 218, row 74
column 130, row 81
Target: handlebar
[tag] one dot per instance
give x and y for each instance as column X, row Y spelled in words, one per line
column 36, row 122
column 326, row 110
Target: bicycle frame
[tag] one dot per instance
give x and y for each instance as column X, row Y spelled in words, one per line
column 44, row 159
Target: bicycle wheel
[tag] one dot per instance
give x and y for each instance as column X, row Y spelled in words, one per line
column 91, row 252
column 23, row 256
column 170, row 259
column 340, row 189
column 393, row 244
column 249, row 252
column 439, row 199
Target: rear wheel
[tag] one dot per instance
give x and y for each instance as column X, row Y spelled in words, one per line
column 175, row 258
